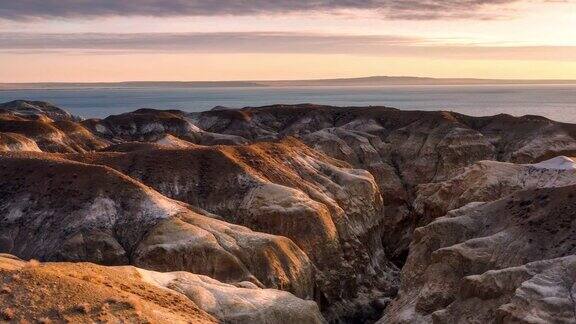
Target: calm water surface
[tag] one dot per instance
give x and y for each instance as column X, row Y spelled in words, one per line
column 556, row 102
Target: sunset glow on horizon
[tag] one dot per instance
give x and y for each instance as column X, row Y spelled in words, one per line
column 43, row 41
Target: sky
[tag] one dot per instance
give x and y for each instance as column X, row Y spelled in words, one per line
column 185, row 40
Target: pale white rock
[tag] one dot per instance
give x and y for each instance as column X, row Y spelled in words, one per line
column 557, row 163
column 102, row 129
column 172, row 142
column 233, row 304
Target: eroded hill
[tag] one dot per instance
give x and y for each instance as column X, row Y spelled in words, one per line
column 85, row 292
column 328, row 203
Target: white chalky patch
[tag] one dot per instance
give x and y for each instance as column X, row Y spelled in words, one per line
column 557, row 163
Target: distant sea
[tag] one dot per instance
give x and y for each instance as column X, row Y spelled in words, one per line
column 557, row 102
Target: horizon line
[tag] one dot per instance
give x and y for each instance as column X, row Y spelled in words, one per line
column 352, row 78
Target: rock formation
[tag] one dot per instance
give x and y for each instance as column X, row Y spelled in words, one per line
column 32, row 126
column 332, row 212
column 153, row 125
column 35, row 109
column 492, row 180
column 402, row 149
column 327, row 203
column 58, row 210
column 511, row 260
column 85, row 292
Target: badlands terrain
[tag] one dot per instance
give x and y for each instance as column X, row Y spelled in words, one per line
column 286, row 214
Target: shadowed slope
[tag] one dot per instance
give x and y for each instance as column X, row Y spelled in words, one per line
column 402, row 149
column 331, row 211
column 490, row 261
column 55, row 209
column 152, row 125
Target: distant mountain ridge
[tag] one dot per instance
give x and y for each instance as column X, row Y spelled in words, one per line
column 364, row 81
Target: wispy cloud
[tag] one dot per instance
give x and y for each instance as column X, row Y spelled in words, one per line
column 400, row 9
column 275, row 42
column 222, row 42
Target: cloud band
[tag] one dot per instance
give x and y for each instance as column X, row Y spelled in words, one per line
column 274, row 42
column 402, row 9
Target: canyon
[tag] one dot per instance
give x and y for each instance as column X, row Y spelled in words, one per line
column 286, row 214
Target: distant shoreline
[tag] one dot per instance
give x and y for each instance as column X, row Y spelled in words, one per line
column 345, row 82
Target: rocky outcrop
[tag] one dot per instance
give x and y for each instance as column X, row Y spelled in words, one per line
column 402, row 149
column 332, row 212
column 316, row 200
column 509, row 260
column 153, row 125
column 36, row 292
column 57, row 210
column 32, row 132
column 541, row 292
column 16, row 142
column 239, row 303
column 489, row 181
column 422, row 146
column 84, row 292
column 526, row 139
column 36, row 109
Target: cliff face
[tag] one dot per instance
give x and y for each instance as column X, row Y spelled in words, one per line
column 331, row 211
column 328, row 203
column 401, row 149
column 510, row 260
column 59, row 210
